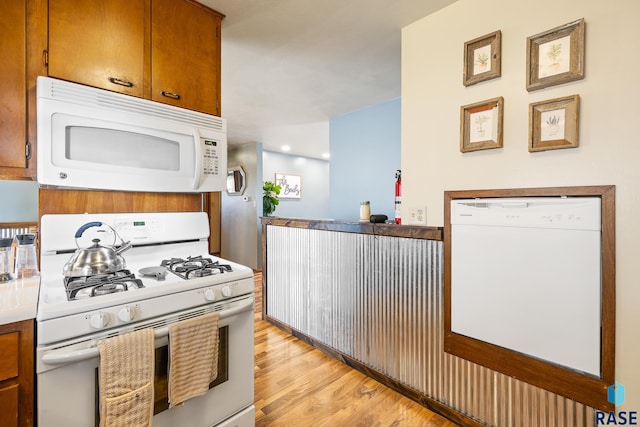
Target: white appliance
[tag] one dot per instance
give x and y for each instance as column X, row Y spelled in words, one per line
column 93, row 138
column 526, row 276
column 70, row 321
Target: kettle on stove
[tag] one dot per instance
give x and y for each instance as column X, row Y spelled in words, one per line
column 96, row 259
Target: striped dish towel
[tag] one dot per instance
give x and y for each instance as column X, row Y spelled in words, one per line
column 126, row 379
column 193, row 357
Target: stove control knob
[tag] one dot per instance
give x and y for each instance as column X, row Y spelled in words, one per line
column 126, row 314
column 226, row 291
column 210, row 295
column 99, row 320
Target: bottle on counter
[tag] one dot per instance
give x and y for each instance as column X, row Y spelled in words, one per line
column 26, row 258
column 365, row 211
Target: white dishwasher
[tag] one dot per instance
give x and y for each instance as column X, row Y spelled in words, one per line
column 526, row 276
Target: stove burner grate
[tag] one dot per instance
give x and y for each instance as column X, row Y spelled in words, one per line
column 193, row 267
column 100, row 284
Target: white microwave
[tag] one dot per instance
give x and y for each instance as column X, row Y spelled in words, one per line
column 95, row 139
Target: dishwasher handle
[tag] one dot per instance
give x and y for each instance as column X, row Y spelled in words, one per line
column 93, row 351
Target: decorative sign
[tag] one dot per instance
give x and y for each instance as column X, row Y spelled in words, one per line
column 291, row 186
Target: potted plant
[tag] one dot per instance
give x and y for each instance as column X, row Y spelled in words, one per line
column 482, row 59
column 270, row 197
column 553, row 122
column 553, row 54
column 480, row 121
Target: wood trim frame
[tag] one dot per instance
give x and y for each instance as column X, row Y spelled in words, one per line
column 574, row 385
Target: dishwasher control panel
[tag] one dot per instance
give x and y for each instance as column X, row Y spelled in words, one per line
column 581, row 213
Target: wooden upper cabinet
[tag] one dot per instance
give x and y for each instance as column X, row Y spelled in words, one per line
column 23, row 39
column 100, row 43
column 13, row 85
column 164, row 50
column 185, row 55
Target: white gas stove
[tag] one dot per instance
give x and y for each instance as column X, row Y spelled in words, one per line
column 155, row 237
column 182, row 280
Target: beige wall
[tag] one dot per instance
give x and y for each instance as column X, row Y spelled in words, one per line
column 609, row 151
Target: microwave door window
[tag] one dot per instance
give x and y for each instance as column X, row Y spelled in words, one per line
column 118, row 148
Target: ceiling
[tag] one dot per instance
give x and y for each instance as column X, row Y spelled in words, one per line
column 288, row 66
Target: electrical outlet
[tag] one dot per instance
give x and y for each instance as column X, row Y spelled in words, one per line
column 418, row 216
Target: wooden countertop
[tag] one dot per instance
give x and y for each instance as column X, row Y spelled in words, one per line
column 392, row 230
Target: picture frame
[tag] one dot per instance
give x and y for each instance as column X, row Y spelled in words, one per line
column 481, row 125
column 556, row 56
column 553, row 124
column 482, row 58
column 291, row 186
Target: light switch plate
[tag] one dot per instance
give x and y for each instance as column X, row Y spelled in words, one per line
column 418, row 215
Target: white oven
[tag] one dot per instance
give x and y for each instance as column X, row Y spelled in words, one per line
column 67, row 374
column 68, row 330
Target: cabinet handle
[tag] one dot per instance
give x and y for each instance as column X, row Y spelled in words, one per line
column 120, row 82
column 170, row 94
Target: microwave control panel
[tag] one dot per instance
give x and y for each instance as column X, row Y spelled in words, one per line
column 210, row 157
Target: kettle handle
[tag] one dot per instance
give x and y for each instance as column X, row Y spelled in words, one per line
column 86, row 226
column 82, row 229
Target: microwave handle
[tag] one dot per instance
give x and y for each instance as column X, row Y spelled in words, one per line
column 93, row 351
column 198, row 161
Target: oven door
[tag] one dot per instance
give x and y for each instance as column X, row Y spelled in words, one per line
column 67, row 375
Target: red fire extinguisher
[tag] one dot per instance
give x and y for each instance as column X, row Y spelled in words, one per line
column 397, row 218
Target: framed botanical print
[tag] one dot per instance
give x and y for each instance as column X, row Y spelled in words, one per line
column 482, row 59
column 556, row 56
column 553, row 124
column 481, row 125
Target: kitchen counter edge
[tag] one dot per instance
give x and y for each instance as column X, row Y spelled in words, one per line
column 378, row 229
column 19, row 300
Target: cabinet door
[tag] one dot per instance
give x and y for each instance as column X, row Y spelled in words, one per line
column 9, row 406
column 9, row 389
column 185, row 53
column 16, row 374
column 99, row 43
column 13, row 84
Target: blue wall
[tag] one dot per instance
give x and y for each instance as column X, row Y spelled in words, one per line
column 365, row 154
column 314, row 181
column 19, row 201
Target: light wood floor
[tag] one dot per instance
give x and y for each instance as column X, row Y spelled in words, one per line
column 297, row 385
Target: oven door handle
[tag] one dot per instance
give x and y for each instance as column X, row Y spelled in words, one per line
column 93, row 351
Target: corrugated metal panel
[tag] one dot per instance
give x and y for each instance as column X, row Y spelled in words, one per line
column 379, row 300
